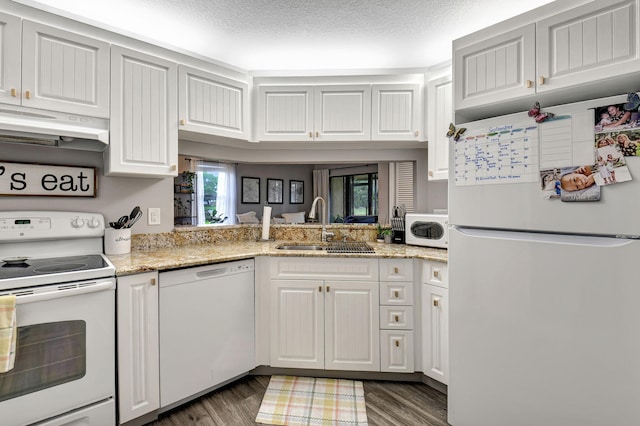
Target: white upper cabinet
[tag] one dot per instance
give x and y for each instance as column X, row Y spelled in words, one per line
column 439, row 115
column 396, row 112
column 144, row 115
column 593, row 42
column 495, row 69
column 342, row 113
column 54, row 70
column 285, row 113
column 10, row 47
column 575, row 50
column 212, row 104
column 314, row 113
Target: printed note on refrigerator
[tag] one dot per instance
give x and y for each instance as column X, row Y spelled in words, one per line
column 555, row 143
column 497, row 155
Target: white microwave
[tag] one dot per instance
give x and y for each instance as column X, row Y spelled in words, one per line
column 429, row 230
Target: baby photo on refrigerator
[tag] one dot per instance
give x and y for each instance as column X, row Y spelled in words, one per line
column 619, row 124
column 550, row 183
column 578, row 184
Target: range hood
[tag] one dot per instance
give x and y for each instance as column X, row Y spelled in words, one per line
column 39, row 127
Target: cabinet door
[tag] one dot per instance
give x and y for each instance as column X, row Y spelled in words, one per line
column 588, row 43
column 396, row 112
column 439, row 115
column 285, row 113
column 64, row 71
column 10, row 47
column 435, row 332
column 138, row 352
column 144, row 115
column 396, row 349
column 342, row 113
column 297, row 324
column 352, row 326
column 213, row 104
column 496, row 69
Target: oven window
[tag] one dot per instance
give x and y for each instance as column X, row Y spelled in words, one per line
column 47, row 355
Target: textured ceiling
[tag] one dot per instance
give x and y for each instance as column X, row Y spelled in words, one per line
column 299, row 34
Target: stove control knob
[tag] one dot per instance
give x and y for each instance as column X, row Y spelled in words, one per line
column 77, row 222
column 93, row 223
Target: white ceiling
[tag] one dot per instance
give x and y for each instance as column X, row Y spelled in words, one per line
column 299, row 34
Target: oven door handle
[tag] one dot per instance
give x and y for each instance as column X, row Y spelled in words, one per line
column 64, row 292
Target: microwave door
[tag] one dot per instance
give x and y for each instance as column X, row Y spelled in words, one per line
column 427, row 230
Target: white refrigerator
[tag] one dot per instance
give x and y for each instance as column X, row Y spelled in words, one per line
column 544, row 294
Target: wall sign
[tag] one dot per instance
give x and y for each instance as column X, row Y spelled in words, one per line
column 47, row 180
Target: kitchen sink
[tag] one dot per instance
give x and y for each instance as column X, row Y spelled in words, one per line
column 300, row 247
column 332, row 247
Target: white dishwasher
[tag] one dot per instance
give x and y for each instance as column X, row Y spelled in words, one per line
column 206, row 328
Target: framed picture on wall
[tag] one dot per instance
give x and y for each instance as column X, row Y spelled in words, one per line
column 250, row 190
column 274, row 191
column 296, row 192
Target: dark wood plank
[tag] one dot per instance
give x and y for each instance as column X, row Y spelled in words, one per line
column 388, row 403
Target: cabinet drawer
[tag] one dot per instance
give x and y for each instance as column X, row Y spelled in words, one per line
column 396, row 270
column 393, row 293
column 359, row 269
column 396, row 317
column 396, row 349
column 435, row 273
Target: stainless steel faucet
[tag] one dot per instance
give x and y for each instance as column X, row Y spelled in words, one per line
column 326, row 235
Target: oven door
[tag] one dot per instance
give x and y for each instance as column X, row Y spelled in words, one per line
column 65, row 351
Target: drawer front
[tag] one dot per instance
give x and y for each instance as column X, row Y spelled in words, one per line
column 359, row 269
column 396, row 317
column 435, row 273
column 392, row 293
column 396, row 351
column 396, row 270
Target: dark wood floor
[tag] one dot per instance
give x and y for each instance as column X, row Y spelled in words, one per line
column 388, row 403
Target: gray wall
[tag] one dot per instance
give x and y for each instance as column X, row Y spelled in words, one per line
column 118, row 195
column 115, row 197
column 303, row 172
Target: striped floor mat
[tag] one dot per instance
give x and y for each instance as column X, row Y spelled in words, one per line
column 293, row 400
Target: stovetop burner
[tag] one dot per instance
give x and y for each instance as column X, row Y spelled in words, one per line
column 54, row 265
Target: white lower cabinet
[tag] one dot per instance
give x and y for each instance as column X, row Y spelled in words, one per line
column 435, row 321
column 326, row 323
column 396, row 316
column 396, row 351
column 138, row 356
column 297, row 324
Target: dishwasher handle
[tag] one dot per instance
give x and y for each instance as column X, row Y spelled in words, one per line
column 216, row 272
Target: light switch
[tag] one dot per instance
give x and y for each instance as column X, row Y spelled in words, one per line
column 153, row 216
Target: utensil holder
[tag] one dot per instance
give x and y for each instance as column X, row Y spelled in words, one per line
column 117, row 241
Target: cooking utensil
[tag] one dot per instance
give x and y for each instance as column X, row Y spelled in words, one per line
column 136, row 214
column 120, row 223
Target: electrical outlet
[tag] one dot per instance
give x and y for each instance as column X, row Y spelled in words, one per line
column 153, row 216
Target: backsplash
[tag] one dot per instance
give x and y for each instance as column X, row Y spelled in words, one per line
column 192, row 235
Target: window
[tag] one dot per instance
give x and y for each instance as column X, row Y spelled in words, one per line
column 353, row 195
column 216, row 193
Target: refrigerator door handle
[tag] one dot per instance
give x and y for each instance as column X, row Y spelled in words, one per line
column 534, row 237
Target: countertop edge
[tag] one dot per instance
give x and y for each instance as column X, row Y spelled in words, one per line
column 140, row 261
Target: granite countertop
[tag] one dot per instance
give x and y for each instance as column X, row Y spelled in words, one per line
column 202, row 254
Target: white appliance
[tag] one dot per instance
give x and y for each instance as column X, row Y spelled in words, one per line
column 429, row 230
column 206, row 329
column 64, row 370
column 40, row 127
column 544, row 316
